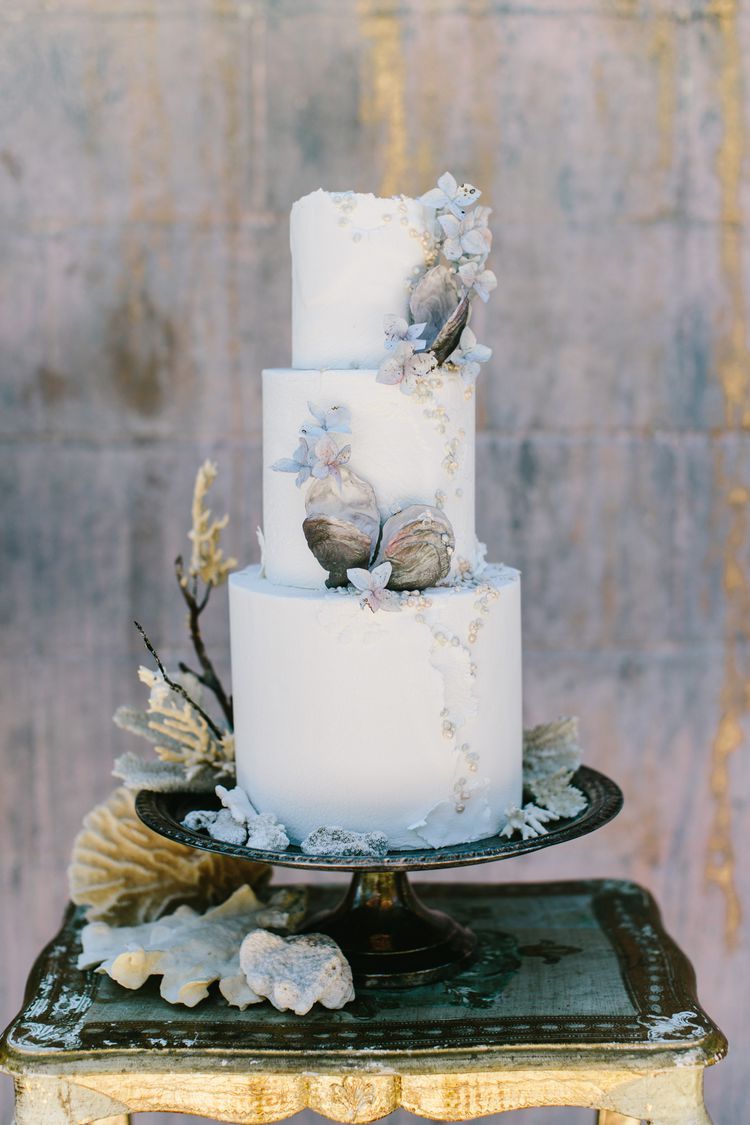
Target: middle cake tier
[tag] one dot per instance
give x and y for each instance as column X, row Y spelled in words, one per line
column 412, row 449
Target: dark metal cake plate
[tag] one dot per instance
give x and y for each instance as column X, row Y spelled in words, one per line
column 390, row 939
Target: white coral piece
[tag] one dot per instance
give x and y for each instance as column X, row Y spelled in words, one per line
column 336, row 841
column 238, row 803
column 226, row 829
column 267, row 834
column 179, row 731
column 529, row 821
column 126, row 874
column 186, row 949
column 297, row 972
column 551, row 747
column 554, row 792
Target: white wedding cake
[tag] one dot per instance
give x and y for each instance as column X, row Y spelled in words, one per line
column 376, row 656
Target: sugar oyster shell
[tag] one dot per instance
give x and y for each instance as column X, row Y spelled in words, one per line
column 342, row 524
column 296, row 972
column 125, row 874
column 419, row 543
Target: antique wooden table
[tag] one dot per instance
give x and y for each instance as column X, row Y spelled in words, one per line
column 578, row 997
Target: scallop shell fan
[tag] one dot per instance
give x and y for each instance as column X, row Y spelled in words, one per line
column 126, row 874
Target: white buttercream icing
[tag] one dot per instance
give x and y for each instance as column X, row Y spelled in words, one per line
column 353, row 258
column 341, row 713
column 396, row 445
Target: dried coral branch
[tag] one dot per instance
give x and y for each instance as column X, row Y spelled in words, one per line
column 207, row 561
column 183, row 731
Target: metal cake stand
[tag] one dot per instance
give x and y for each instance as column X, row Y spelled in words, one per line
column 389, row 937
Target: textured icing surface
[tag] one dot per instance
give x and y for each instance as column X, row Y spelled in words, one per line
column 412, row 451
column 407, row 723
column 353, row 257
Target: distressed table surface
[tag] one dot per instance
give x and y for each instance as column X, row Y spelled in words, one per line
column 578, row 997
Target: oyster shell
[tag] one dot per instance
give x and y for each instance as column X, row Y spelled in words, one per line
column 449, row 336
column 342, row 524
column 418, row 542
column 296, row 972
column 434, row 300
column 186, row 949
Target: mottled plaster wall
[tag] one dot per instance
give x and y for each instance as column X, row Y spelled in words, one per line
column 149, row 153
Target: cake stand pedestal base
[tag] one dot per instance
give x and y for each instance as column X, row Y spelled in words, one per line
column 390, row 939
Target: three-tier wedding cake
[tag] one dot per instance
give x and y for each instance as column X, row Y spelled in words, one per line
column 376, row 656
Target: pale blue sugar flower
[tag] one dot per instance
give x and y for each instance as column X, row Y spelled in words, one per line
column 450, row 195
column 397, row 329
column 464, row 238
column 474, row 277
column 301, row 463
column 328, row 459
column 405, row 368
column 372, row 586
column 334, row 419
column 469, row 355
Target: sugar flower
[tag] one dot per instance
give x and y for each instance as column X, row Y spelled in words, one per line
column 405, row 368
column 464, row 237
column 334, row 419
column 457, row 198
column 301, row 463
column 372, row 586
column 469, row 355
column 529, row 821
column 328, row 459
column 480, row 280
column 397, row 329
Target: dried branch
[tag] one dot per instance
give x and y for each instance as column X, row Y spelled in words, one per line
column 208, row 676
column 178, row 689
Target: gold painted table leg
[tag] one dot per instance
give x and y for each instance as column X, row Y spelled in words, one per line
column 611, row 1117
column 56, row 1101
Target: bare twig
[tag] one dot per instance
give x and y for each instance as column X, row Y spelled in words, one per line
column 178, row 688
column 208, row 677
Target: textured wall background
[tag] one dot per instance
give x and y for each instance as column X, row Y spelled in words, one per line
column 149, row 153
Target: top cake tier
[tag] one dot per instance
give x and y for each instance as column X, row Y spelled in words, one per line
column 354, row 258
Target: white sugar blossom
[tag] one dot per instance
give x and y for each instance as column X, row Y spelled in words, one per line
column 397, row 329
column 482, row 281
column 405, row 368
column 334, row 419
column 529, row 821
column 301, row 462
column 372, row 585
column 451, row 195
column 328, row 459
column 469, row 355
column 464, row 238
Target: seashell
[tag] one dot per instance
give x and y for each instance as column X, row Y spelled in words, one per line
column 449, row 336
column 342, row 524
column 433, row 300
column 186, row 949
column 418, row 542
column 124, row 873
column 296, row 972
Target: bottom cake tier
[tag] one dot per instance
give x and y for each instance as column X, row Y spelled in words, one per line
column 405, row 721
